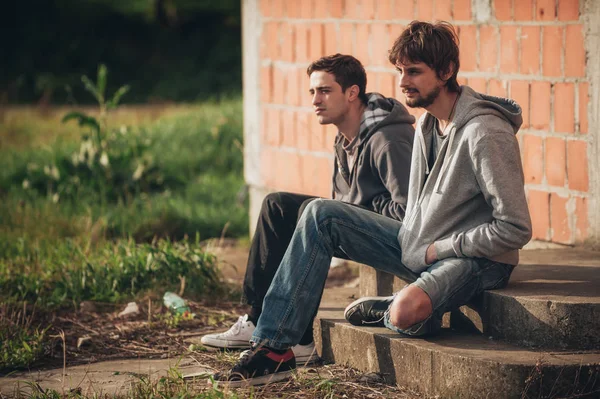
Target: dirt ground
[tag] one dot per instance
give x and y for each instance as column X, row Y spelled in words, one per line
column 95, row 352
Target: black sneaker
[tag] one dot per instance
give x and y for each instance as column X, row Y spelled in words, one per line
column 368, row 311
column 258, row 367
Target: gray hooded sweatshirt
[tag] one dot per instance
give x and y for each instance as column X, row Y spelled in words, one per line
column 471, row 201
column 379, row 178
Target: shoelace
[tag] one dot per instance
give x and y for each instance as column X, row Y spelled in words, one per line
column 373, row 322
column 237, row 327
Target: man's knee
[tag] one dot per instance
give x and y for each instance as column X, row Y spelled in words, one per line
column 412, row 305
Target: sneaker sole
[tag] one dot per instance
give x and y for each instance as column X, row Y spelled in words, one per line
column 263, row 380
column 228, row 345
column 354, row 304
column 307, row 360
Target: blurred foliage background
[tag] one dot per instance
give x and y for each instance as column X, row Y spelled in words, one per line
column 166, row 50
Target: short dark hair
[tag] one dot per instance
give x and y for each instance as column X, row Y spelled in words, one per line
column 435, row 45
column 347, row 70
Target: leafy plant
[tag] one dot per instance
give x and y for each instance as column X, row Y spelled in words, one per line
column 20, row 343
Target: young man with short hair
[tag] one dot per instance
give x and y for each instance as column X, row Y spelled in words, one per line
column 465, row 221
column 372, row 161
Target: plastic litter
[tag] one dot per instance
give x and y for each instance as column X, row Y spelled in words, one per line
column 176, row 304
column 130, row 310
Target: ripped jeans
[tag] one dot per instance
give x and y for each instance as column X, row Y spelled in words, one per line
column 330, row 228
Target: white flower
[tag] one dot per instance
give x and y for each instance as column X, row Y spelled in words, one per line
column 26, row 184
column 55, row 198
column 123, row 129
column 104, row 160
column 138, row 172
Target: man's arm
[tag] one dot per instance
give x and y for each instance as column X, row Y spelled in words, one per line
column 392, row 162
column 497, row 165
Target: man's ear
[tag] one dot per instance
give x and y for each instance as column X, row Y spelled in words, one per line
column 448, row 74
column 353, row 92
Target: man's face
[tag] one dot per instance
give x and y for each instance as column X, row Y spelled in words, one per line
column 419, row 83
column 329, row 102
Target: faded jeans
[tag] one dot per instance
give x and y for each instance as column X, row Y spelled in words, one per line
column 330, row 228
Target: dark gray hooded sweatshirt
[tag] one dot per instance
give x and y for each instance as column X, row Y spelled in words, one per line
column 471, row 201
column 379, row 178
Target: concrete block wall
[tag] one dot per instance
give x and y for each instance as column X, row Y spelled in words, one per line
column 534, row 51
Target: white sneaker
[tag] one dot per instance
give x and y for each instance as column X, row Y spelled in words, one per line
column 306, row 354
column 238, row 336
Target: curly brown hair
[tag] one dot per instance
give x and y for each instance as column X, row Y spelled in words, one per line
column 347, row 70
column 435, row 45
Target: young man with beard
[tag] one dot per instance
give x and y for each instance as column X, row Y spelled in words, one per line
column 466, row 216
column 372, row 160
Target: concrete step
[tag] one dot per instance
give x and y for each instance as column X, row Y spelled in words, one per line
column 457, row 365
column 552, row 301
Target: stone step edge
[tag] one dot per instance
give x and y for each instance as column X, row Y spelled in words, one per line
column 457, row 364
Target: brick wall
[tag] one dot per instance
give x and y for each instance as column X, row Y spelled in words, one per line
column 530, row 50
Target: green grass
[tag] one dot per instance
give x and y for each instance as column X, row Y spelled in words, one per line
column 73, row 228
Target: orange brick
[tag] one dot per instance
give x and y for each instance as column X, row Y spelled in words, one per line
column 519, row 91
column 316, row 175
column 270, row 41
column 316, row 45
column 568, row 10
column 509, row 49
column 352, row 9
column 287, row 42
column 523, row 10
column 539, row 209
column 468, row 47
column 425, row 10
column 496, row 88
column 564, row 107
column 380, row 36
column 551, row 55
column 559, row 219
column 336, row 8
column 503, row 10
column 367, row 9
column 478, row 84
column 277, row 8
column 288, row 171
column 288, row 132
column 577, row 165
column 265, row 8
column 540, row 105
column 267, row 164
column 386, row 84
column 274, row 127
column 264, row 127
column 488, row 48
column 384, row 9
column 556, row 164
column 324, row 184
column 461, row 10
column 583, row 107
column 301, row 38
column 292, row 9
column 292, row 87
column 395, row 32
column 279, row 85
column 361, row 50
column 404, row 10
column 530, row 50
column 533, row 159
column 321, row 9
column 347, row 38
column 329, row 139
column 331, row 42
column 372, row 81
column 574, row 51
column 581, row 219
column 306, row 8
column 316, row 135
column 266, row 84
column 443, row 10
column 303, row 128
column 545, row 10
column 462, row 81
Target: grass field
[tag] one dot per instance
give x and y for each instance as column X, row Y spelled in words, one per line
column 115, row 214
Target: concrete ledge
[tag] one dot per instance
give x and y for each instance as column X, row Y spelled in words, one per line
column 456, row 365
column 552, row 301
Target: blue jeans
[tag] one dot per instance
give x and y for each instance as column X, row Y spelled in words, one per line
column 330, row 228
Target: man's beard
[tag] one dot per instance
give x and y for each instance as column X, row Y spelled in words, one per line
column 423, row 102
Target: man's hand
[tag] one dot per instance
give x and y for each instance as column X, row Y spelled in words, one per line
column 430, row 255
